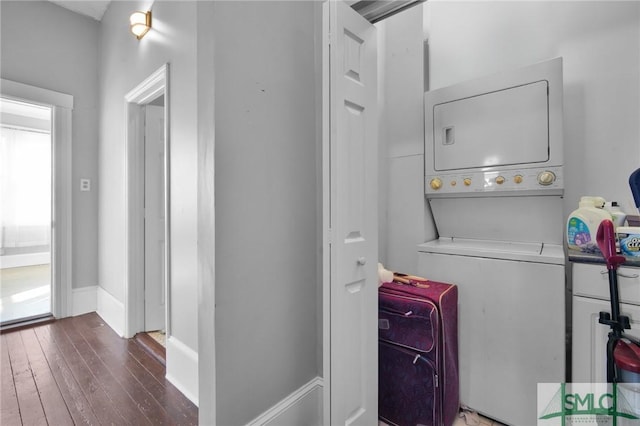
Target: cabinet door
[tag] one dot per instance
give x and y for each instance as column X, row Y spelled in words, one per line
column 589, row 364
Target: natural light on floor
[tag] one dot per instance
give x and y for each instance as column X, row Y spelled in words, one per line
column 28, row 295
column 24, row 292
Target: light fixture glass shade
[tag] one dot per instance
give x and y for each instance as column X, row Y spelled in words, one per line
column 140, row 23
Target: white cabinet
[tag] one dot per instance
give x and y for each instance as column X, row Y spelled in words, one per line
column 590, row 296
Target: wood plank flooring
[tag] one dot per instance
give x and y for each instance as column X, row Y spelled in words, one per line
column 78, row 371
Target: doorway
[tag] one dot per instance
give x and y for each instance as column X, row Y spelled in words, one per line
column 26, row 171
column 154, row 220
column 147, row 200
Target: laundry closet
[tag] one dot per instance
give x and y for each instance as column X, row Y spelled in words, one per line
column 449, row 43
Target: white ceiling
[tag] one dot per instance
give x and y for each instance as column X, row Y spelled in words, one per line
column 92, row 8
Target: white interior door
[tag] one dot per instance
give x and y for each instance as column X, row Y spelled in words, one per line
column 154, row 221
column 350, row 217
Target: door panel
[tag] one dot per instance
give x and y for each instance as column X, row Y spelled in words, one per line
column 154, row 223
column 590, row 337
column 350, row 217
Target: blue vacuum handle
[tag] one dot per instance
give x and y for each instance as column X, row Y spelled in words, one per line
column 634, row 183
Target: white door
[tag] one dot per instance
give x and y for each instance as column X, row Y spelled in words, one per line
column 350, row 219
column 154, row 223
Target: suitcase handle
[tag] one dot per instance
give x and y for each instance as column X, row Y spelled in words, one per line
column 411, row 280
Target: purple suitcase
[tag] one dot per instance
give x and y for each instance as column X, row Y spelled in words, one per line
column 418, row 354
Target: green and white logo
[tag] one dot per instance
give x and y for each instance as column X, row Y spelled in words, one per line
column 588, row 404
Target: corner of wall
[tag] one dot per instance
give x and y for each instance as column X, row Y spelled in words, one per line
column 84, row 300
column 111, row 310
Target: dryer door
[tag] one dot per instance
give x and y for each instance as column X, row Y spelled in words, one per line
column 501, row 128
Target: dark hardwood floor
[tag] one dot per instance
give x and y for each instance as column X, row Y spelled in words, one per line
column 78, row 371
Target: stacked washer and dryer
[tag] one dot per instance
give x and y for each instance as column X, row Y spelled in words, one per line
column 494, row 183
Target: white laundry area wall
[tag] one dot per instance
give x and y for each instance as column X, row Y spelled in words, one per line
column 600, row 45
column 403, row 222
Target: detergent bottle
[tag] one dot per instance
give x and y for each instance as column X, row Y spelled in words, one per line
column 617, row 215
column 582, row 224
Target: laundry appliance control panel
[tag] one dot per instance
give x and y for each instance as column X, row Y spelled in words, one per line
column 496, row 182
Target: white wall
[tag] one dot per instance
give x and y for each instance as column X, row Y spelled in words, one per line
column 126, row 62
column 265, row 204
column 46, row 46
column 206, row 215
column 600, row 44
column 402, row 137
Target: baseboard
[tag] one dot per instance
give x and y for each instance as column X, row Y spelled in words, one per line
column 182, row 368
column 302, row 408
column 111, row 310
column 84, row 300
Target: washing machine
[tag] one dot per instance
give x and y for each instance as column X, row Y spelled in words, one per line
column 494, row 184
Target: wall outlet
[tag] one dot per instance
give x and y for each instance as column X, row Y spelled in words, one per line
column 85, row 184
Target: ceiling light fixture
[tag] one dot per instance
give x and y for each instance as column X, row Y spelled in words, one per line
column 140, row 23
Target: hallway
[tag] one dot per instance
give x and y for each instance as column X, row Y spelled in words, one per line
column 78, row 371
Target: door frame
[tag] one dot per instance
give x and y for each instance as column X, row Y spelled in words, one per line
column 154, row 86
column 62, row 188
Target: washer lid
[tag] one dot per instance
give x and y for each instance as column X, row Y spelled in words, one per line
column 493, row 249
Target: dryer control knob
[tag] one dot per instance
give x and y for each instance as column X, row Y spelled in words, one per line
column 518, row 178
column 546, row 178
column 467, row 181
column 436, row 183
